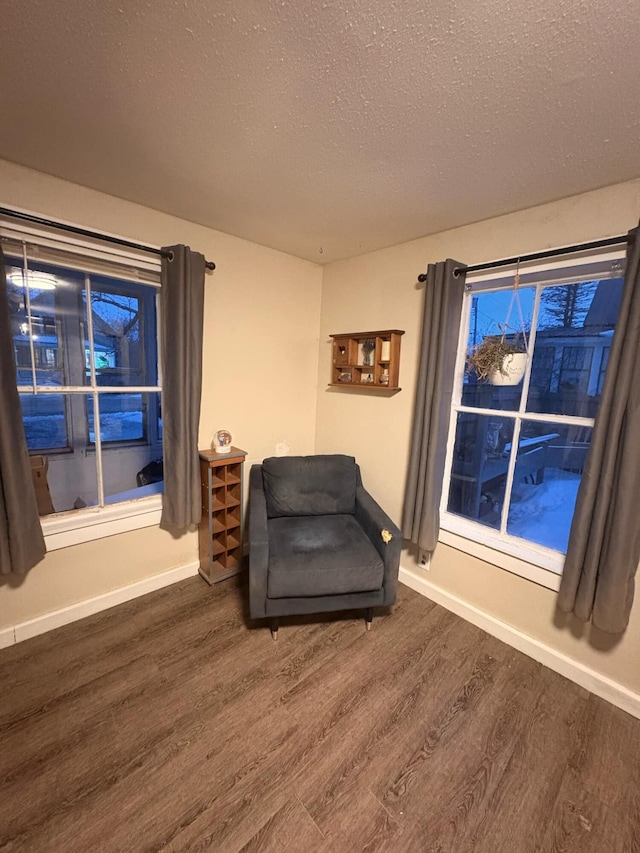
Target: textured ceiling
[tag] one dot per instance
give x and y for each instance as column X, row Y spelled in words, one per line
column 325, row 129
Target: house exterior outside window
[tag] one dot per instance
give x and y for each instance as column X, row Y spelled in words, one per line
column 516, row 454
column 85, row 338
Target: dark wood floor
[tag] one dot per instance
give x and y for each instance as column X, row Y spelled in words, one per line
column 169, row 724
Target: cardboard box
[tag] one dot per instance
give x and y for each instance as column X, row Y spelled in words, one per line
column 39, row 467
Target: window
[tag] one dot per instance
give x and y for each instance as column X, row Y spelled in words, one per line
column 576, row 368
column 85, row 337
column 516, row 454
column 604, row 360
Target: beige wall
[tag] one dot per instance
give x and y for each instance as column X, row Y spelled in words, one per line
column 379, row 291
column 75, row 574
column 262, row 313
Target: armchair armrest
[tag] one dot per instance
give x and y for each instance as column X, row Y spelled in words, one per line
column 374, row 520
column 258, row 544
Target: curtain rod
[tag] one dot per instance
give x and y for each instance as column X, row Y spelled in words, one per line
column 96, row 235
column 536, row 256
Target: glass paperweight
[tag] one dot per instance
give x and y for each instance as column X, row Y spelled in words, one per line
column 222, row 441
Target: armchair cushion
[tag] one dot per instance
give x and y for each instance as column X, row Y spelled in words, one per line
column 309, row 485
column 321, row 555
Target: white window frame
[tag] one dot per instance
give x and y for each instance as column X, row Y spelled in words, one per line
column 537, row 563
column 64, row 529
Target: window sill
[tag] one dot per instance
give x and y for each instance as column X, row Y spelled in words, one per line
column 85, row 525
column 512, row 562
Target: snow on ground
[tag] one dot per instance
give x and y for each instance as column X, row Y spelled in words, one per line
column 45, row 431
column 118, row 426
column 543, row 513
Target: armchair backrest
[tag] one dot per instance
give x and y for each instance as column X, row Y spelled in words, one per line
column 310, row 485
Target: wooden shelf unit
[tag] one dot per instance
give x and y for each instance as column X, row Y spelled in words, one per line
column 352, row 351
column 220, row 530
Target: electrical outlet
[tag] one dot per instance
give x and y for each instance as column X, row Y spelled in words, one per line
column 282, row 448
column 424, row 559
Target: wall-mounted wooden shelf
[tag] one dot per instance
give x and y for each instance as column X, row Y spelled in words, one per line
column 366, row 360
column 220, row 531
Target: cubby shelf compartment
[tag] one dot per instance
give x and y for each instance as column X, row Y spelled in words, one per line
column 220, row 530
column 366, row 360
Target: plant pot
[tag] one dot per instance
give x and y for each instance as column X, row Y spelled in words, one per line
column 512, row 371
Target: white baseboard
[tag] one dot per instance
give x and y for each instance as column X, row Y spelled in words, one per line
column 73, row 612
column 7, row 637
column 577, row 672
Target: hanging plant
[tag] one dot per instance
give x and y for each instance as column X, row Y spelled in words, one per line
column 497, row 360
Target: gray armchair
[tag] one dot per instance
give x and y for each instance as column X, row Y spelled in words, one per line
column 318, row 541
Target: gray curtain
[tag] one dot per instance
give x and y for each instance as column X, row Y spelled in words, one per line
column 21, row 540
column 604, row 545
column 182, row 318
column 440, row 330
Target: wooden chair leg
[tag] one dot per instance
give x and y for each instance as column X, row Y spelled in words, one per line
column 369, row 617
column 274, row 628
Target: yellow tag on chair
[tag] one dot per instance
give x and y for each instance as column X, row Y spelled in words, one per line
column 386, row 536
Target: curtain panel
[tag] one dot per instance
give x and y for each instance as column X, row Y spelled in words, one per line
column 21, row 539
column 182, row 319
column 604, row 544
column 443, row 297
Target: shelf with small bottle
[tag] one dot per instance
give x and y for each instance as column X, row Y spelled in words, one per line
column 366, row 360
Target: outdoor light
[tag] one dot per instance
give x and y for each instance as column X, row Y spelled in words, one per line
column 35, row 280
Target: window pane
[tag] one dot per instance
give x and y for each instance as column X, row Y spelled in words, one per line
column 53, row 342
column 56, row 326
column 133, row 471
column 73, row 481
column 124, row 333
column 575, row 329
column 548, row 471
column 45, row 421
column 479, row 468
column 125, row 417
column 489, row 312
